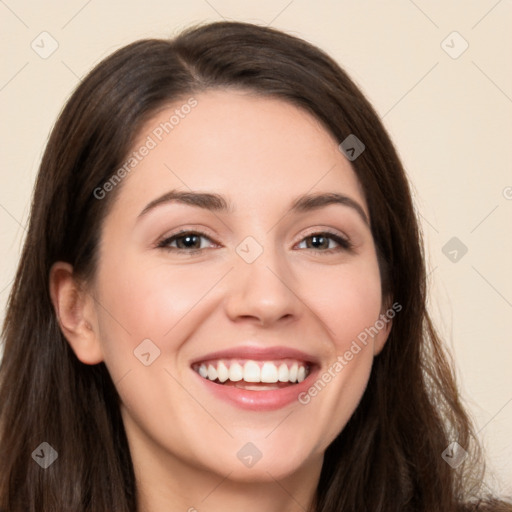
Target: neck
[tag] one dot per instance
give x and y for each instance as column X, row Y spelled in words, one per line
column 174, row 486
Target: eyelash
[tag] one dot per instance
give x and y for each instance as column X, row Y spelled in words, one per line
column 344, row 244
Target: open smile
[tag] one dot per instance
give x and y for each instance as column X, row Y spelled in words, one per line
column 255, row 375
column 263, row 379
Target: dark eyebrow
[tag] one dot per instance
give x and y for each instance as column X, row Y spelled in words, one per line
column 216, row 202
column 208, row 201
column 310, row 202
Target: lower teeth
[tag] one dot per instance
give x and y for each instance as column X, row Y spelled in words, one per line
column 257, row 386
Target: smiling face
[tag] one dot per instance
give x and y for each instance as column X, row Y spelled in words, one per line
column 237, row 250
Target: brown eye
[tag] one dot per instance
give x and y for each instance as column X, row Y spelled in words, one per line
column 323, row 242
column 188, row 241
column 317, row 242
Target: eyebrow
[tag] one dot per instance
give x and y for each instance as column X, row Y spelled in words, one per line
column 217, row 203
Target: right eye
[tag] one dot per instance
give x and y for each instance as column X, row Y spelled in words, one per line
column 186, row 241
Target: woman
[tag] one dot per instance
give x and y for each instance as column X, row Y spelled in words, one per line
column 221, row 299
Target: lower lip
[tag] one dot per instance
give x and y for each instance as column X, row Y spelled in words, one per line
column 269, row 400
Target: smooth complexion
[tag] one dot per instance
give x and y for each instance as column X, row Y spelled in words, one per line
column 197, row 295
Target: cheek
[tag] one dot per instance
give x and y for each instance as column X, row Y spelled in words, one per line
column 348, row 300
column 139, row 300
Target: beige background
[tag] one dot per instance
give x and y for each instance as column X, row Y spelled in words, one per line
column 451, row 119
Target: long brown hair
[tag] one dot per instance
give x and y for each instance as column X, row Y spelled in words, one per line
column 387, row 458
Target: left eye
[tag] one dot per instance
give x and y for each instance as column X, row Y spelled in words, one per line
column 324, row 242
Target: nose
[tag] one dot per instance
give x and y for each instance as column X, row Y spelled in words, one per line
column 263, row 292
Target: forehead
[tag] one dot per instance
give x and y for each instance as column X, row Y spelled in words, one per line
column 246, row 146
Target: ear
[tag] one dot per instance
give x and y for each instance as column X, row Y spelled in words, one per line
column 385, row 322
column 75, row 312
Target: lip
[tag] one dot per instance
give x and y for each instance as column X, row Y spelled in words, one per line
column 258, row 354
column 259, row 400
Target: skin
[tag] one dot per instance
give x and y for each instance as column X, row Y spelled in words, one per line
column 260, row 154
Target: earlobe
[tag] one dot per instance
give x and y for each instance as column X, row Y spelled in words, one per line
column 384, row 323
column 75, row 312
column 382, row 337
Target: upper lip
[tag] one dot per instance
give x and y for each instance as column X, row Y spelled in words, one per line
column 258, row 353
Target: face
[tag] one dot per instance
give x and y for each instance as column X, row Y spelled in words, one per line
column 237, row 275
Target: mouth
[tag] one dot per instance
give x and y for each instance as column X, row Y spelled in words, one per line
column 257, row 378
column 254, row 375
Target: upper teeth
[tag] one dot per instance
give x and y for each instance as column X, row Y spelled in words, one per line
column 253, row 371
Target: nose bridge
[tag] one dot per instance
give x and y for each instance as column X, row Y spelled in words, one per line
column 260, row 283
